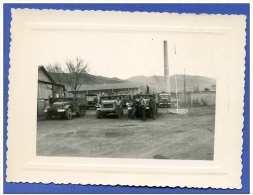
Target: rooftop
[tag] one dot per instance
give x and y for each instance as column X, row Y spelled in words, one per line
column 109, row 86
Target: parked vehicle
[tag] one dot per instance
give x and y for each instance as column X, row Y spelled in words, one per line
column 66, row 107
column 107, row 106
column 138, row 105
column 164, row 100
column 92, row 100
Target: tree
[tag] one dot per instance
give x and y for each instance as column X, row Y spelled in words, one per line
column 206, row 89
column 74, row 76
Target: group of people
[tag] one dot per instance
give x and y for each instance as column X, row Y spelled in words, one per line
column 140, row 106
column 197, row 102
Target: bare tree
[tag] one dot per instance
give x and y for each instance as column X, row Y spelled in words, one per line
column 74, row 76
column 56, row 72
column 75, row 73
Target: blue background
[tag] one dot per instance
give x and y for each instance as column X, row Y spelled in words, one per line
column 180, row 8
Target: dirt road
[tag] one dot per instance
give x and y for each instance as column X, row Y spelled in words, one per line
column 168, row 137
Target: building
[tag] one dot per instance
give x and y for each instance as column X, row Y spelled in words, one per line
column 47, row 88
column 208, row 98
column 109, row 88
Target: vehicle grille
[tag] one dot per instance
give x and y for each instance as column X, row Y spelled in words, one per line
column 164, row 100
column 108, row 105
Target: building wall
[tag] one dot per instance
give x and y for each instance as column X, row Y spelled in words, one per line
column 208, row 97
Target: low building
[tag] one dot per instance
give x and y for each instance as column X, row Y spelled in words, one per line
column 109, row 88
column 47, row 88
column 205, row 98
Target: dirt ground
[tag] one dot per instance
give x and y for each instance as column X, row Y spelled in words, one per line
column 168, row 137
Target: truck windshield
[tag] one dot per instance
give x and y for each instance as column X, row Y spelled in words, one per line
column 164, row 96
column 91, row 98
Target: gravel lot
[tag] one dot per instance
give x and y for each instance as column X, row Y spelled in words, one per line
column 168, row 137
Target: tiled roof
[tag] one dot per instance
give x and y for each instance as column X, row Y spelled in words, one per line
column 109, row 86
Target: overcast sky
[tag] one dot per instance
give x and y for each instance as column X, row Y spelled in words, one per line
column 127, row 54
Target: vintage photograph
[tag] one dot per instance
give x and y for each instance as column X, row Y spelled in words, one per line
column 127, row 94
column 122, row 98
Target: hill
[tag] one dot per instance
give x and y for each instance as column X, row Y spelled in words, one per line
column 90, row 79
column 156, row 83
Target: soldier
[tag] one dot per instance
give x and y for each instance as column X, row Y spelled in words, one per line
column 152, row 108
column 134, row 106
column 143, row 108
column 118, row 108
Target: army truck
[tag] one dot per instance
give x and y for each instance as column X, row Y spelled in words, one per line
column 92, row 100
column 164, row 100
column 136, row 100
column 107, row 106
column 66, row 107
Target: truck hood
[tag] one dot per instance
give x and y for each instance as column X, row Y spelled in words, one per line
column 59, row 104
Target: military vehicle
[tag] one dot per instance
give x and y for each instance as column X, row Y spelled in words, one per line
column 107, row 106
column 138, row 105
column 164, row 100
column 66, row 107
column 92, row 100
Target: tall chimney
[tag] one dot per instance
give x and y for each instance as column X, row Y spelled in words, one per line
column 166, row 68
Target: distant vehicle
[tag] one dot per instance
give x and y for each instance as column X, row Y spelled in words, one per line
column 138, row 110
column 107, row 106
column 125, row 98
column 92, row 100
column 66, row 107
column 164, row 100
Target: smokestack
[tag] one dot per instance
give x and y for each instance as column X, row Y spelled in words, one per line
column 166, row 68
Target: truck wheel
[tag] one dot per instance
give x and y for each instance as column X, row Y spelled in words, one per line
column 68, row 114
column 81, row 112
column 49, row 116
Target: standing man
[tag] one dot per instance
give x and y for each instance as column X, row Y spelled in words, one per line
column 118, row 108
column 134, row 106
column 143, row 108
column 152, row 108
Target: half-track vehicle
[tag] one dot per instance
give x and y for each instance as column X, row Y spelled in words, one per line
column 107, row 106
column 164, row 100
column 136, row 100
column 66, row 107
column 92, row 100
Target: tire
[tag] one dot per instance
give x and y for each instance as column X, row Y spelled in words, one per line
column 81, row 112
column 49, row 116
column 68, row 114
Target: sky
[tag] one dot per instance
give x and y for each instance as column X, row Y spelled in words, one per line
column 127, row 54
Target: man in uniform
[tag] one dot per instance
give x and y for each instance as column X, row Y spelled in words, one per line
column 143, row 108
column 118, row 108
column 134, row 106
column 152, row 108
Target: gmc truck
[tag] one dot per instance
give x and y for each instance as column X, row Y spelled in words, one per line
column 66, row 107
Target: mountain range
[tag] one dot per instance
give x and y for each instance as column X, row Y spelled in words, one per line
column 155, row 83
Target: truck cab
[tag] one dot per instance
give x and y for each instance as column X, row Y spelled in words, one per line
column 92, row 100
column 107, row 106
column 164, row 100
